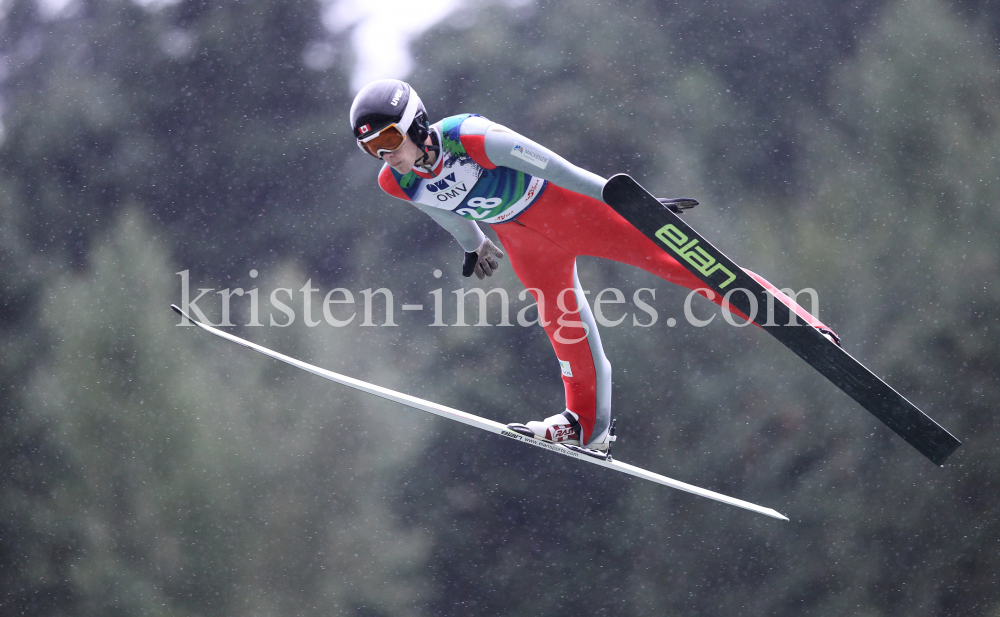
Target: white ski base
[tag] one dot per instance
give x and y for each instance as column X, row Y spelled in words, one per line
column 482, row 423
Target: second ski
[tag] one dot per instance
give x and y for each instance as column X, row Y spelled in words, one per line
column 721, row 274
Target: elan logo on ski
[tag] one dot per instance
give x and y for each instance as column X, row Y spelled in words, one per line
column 677, row 241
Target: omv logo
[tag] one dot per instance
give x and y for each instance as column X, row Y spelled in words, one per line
column 441, row 185
column 447, row 189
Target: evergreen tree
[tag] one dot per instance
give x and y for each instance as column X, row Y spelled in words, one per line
column 196, row 479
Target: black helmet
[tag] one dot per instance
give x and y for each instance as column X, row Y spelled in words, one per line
column 385, row 103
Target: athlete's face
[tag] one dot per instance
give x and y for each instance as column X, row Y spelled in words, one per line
column 402, row 158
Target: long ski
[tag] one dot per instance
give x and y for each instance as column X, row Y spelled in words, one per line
column 483, row 423
column 721, row 274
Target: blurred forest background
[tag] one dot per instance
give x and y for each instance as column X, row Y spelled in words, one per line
column 852, row 147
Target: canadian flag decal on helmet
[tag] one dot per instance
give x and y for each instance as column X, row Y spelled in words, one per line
column 364, row 129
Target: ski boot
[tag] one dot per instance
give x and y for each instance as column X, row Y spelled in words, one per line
column 564, row 429
column 599, row 448
column 561, row 428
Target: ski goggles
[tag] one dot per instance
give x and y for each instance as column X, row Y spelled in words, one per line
column 389, row 138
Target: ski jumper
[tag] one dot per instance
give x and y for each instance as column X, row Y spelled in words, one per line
column 546, row 212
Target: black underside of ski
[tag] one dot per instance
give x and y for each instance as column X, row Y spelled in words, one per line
column 721, row 274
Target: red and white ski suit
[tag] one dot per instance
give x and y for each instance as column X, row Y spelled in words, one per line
column 546, row 213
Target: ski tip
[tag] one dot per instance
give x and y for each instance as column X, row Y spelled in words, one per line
column 772, row 513
column 182, row 313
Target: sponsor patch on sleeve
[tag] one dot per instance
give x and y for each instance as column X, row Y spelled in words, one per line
column 539, row 160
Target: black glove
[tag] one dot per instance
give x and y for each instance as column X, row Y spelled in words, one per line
column 678, row 204
column 481, row 261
